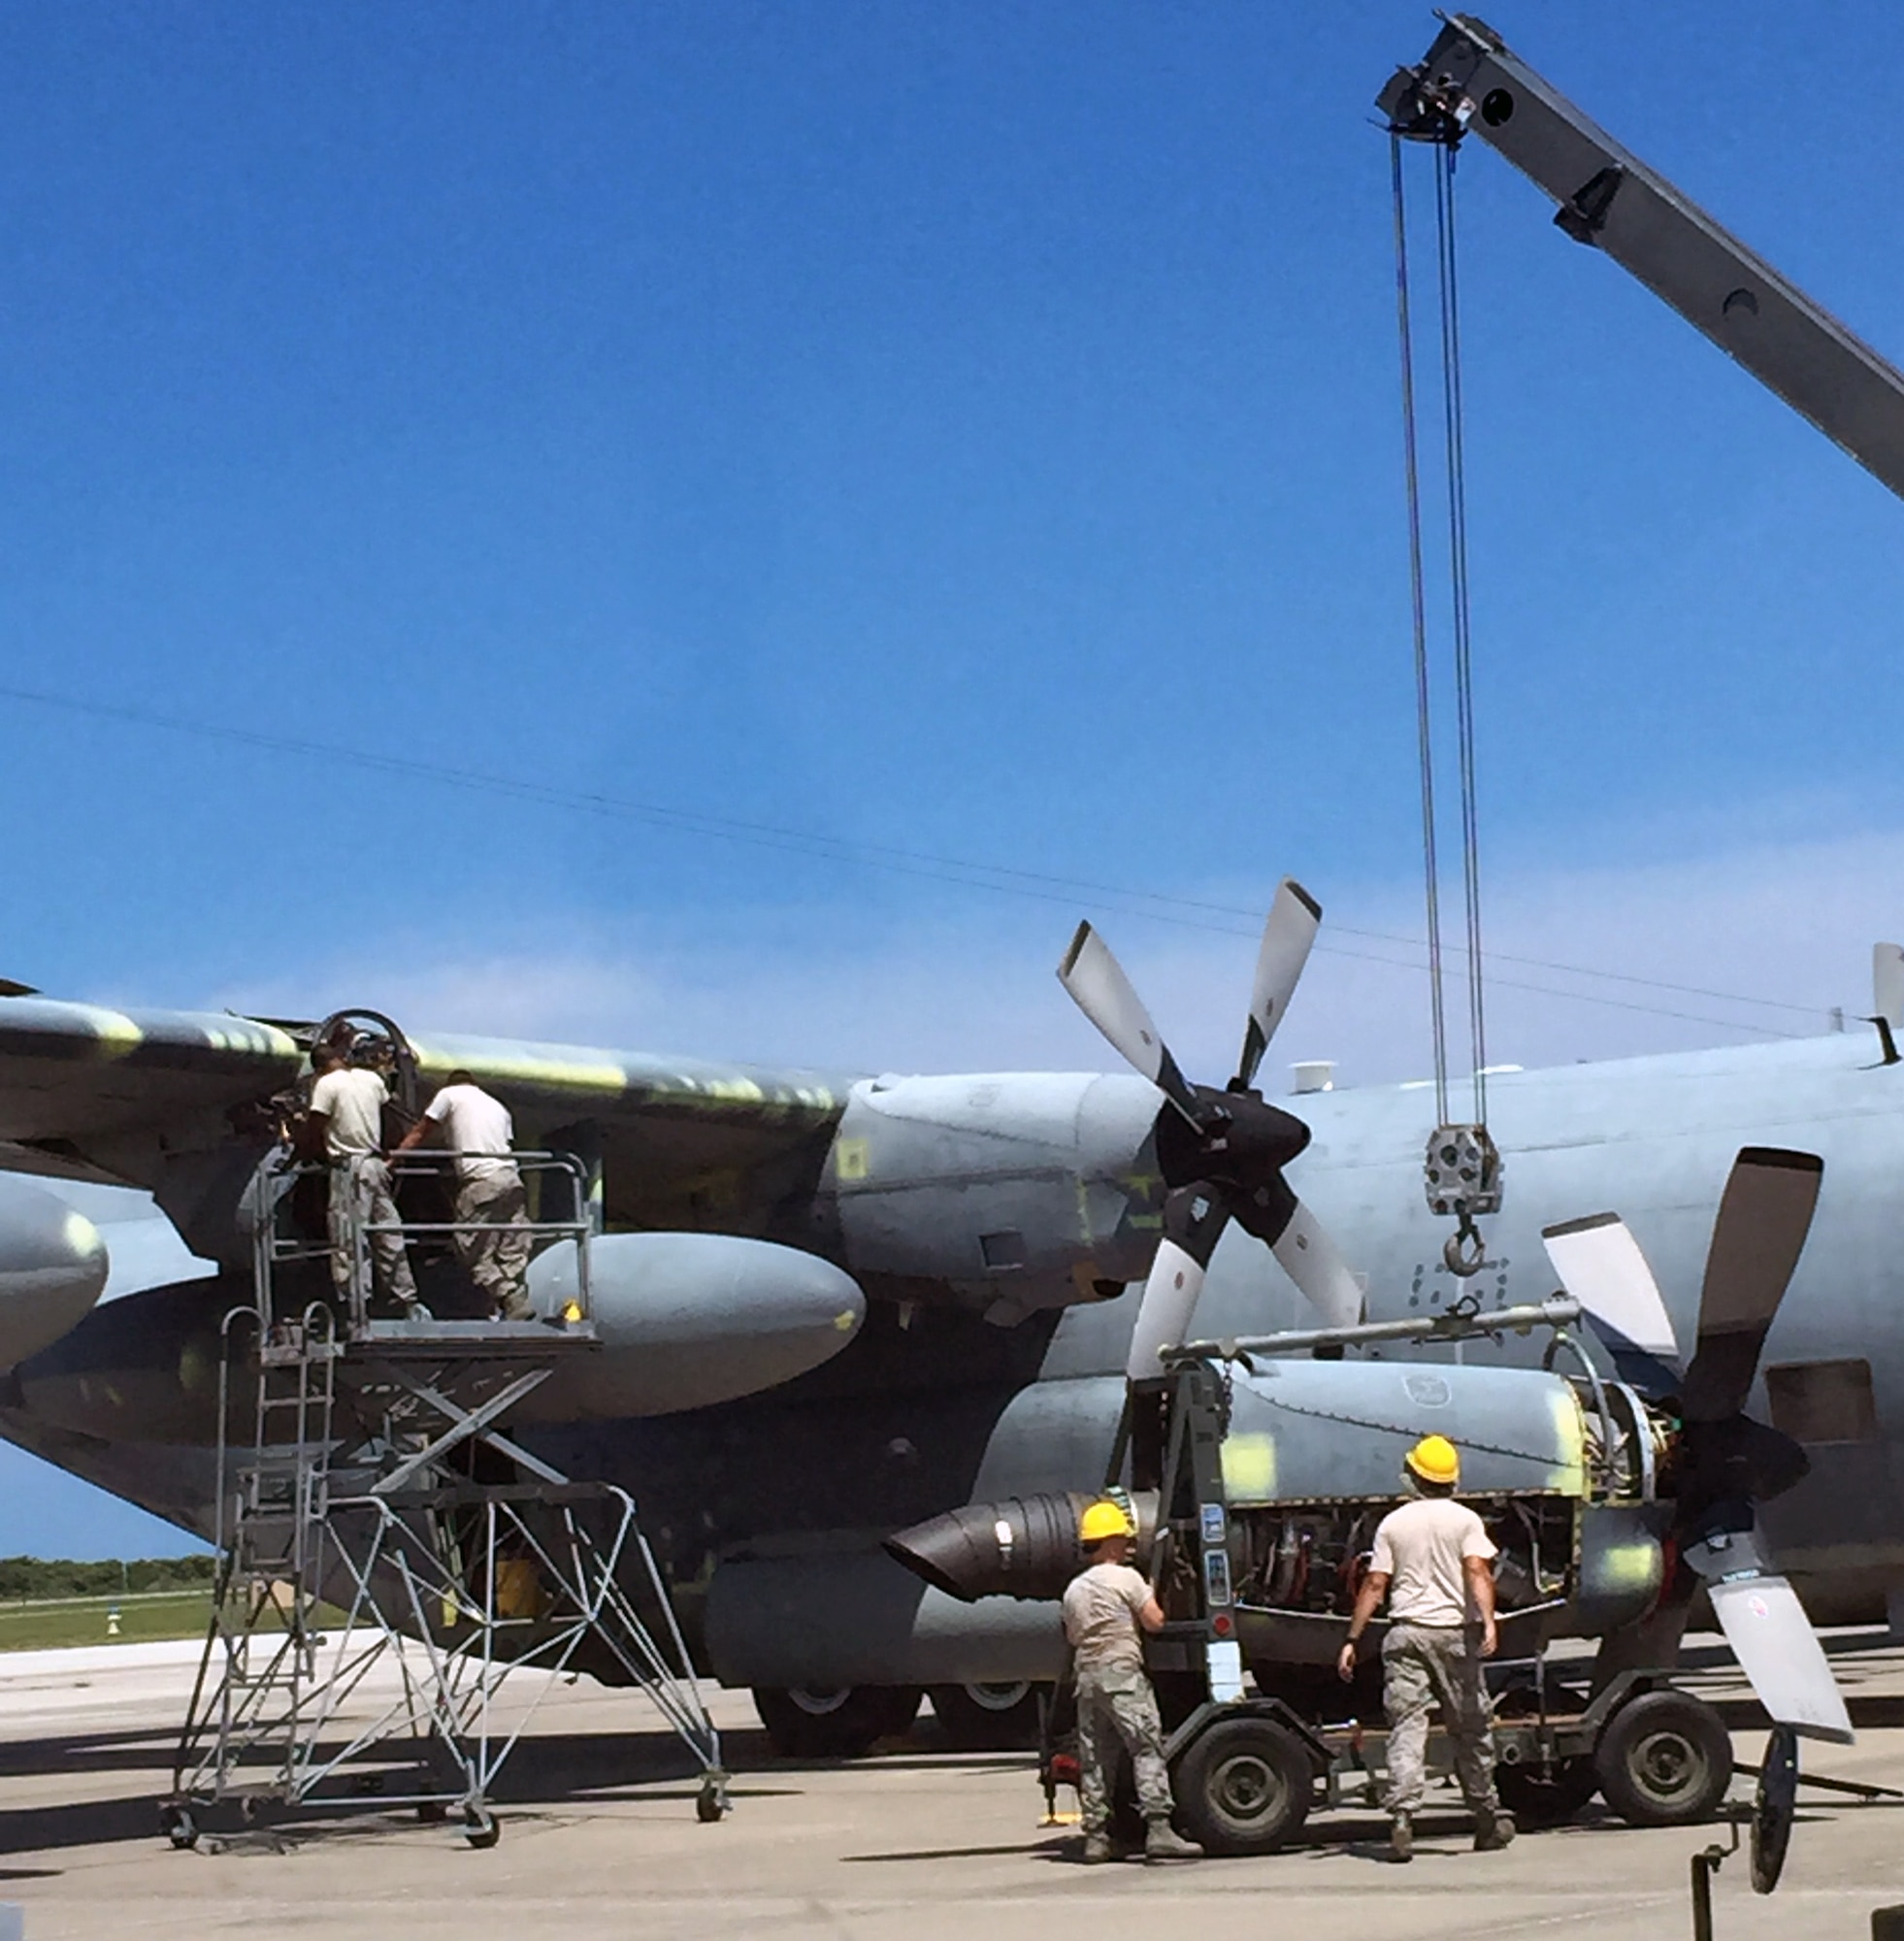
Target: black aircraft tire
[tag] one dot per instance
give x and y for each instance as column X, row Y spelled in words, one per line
column 1245, row 1786
column 1664, row 1759
column 835, row 1724
column 987, row 1718
column 1537, row 1800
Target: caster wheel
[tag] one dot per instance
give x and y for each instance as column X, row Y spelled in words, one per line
column 178, row 1826
column 480, row 1826
column 711, row 1802
column 431, row 1812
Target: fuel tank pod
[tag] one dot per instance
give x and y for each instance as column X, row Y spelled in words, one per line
column 687, row 1320
column 52, row 1268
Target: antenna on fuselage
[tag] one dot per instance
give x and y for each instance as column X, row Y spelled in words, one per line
column 1887, row 997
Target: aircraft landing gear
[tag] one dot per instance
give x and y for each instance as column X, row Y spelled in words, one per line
column 987, row 1718
column 845, row 1723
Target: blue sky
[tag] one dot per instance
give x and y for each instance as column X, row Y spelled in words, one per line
column 970, row 431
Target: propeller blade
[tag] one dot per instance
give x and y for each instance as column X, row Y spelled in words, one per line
column 1601, row 1265
column 1193, row 1220
column 1289, row 931
column 1105, row 996
column 1779, row 1653
column 1764, row 1217
column 1308, row 1256
column 1169, row 1300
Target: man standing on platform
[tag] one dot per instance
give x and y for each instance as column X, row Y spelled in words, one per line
column 345, row 1124
column 492, row 1205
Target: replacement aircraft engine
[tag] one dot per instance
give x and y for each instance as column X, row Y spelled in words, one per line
column 1613, row 1501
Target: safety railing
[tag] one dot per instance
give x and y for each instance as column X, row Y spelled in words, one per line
column 285, row 1232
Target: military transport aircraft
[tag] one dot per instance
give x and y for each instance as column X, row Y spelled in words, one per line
column 890, row 1297
column 934, row 1305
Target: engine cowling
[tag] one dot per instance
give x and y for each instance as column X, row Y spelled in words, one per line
column 1004, row 1193
column 687, row 1320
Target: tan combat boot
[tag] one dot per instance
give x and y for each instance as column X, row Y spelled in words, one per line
column 1162, row 1843
column 1493, row 1829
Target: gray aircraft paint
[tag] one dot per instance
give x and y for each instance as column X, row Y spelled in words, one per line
column 930, row 1406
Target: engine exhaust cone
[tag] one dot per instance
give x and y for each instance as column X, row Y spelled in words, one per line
column 1021, row 1547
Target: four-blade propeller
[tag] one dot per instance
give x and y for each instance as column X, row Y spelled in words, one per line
column 1728, row 1463
column 1221, row 1153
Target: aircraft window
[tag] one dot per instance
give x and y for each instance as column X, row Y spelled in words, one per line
column 1823, row 1402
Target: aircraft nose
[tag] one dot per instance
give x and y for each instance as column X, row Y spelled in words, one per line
column 52, row 1270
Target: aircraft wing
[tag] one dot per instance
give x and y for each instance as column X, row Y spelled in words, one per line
column 91, row 1093
column 84, row 1088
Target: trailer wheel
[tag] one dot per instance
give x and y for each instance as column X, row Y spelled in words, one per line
column 1664, row 1759
column 1537, row 1800
column 1245, row 1786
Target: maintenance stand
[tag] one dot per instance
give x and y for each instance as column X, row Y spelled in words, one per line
column 375, row 1514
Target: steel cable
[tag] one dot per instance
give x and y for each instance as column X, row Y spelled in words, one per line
column 1453, row 415
column 1417, row 591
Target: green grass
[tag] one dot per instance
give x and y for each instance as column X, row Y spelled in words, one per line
column 45, row 1624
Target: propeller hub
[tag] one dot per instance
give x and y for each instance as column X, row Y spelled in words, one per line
column 1241, row 1145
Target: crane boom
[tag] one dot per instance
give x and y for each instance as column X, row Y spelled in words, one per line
column 1470, row 84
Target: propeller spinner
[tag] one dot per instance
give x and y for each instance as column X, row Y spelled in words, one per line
column 1729, row 1463
column 1223, row 1152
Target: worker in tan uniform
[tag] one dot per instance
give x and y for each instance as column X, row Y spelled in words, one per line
column 345, row 1125
column 491, row 1204
column 1108, row 1608
column 1432, row 1560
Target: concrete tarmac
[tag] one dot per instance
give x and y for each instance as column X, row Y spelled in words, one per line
column 600, row 1840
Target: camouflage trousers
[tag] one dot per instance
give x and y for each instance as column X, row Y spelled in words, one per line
column 361, row 1186
column 496, row 1252
column 1423, row 1665
column 1117, row 1712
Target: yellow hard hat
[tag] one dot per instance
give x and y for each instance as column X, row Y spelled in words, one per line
column 1103, row 1520
column 1436, row 1460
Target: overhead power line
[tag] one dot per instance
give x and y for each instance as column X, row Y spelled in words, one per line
column 1186, row 912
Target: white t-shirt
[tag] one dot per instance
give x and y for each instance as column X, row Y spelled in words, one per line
column 352, row 1099
column 1420, row 1546
column 476, row 1127
column 1100, row 1616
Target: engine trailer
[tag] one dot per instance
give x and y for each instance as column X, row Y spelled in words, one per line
column 1255, row 1585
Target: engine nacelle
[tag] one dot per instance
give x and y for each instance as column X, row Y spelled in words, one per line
column 1017, row 1192
column 52, row 1270
column 687, row 1320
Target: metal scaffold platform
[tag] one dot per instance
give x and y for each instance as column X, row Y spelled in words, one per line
column 390, row 1556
